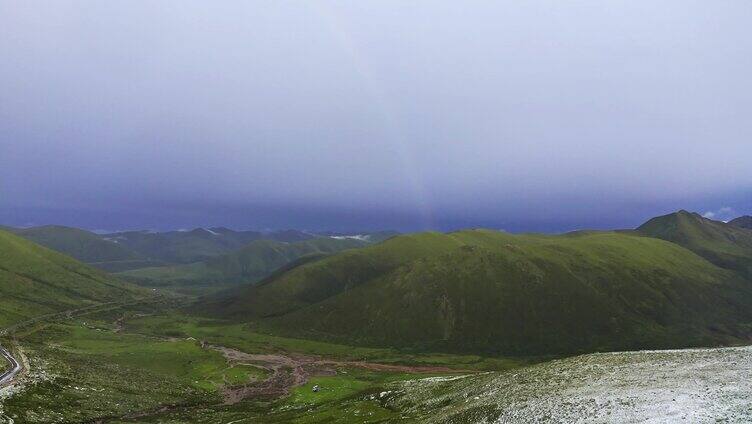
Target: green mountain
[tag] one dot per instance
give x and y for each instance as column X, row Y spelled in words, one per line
column 492, row 292
column 85, row 246
column 35, row 280
column 742, row 221
column 183, row 247
column 249, row 264
column 728, row 246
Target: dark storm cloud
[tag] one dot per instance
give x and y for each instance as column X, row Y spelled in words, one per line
column 518, row 115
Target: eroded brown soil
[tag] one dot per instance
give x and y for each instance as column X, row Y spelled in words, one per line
column 287, row 371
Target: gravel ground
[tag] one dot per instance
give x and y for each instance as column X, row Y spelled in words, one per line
column 693, row 386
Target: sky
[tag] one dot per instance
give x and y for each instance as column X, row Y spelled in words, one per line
column 522, row 116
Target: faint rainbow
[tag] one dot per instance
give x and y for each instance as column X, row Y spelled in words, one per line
column 377, row 94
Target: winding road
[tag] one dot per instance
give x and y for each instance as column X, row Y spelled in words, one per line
column 15, row 367
column 7, row 377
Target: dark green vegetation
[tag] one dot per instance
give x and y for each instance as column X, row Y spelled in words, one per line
column 742, row 221
column 249, row 264
column 492, row 292
column 242, row 337
column 728, row 246
column 35, row 281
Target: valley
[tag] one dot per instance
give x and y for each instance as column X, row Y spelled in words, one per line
column 92, row 360
column 91, row 364
column 461, row 327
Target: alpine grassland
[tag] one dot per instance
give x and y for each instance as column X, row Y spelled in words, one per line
column 484, row 291
column 455, row 327
column 86, row 369
column 150, row 363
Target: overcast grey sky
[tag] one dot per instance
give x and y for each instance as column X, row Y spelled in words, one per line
column 523, row 115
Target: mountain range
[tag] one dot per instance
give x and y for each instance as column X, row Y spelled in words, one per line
column 124, row 250
column 678, row 280
column 249, row 264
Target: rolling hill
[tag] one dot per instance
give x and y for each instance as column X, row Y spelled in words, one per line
column 491, row 292
column 85, row 246
column 742, row 221
column 726, row 245
column 249, row 264
column 35, row 280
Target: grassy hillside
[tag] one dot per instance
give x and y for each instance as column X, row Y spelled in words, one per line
column 84, row 246
column 35, row 280
column 742, row 221
column 251, row 263
column 725, row 245
column 486, row 291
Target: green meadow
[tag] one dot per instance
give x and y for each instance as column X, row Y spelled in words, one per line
column 82, row 370
column 119, row 366
column 246, row 338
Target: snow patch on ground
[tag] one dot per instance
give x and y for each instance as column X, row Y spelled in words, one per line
column 361, row 237
column 693, row 385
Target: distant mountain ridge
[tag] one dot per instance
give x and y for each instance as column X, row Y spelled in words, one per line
column 80, row 244
column 128, row 250
column 181, row 247
column 251, row 263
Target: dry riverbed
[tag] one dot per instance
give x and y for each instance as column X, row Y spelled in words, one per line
column 287, row 371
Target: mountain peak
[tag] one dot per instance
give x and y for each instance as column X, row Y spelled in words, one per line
column 728, row 246
column 686, row 213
